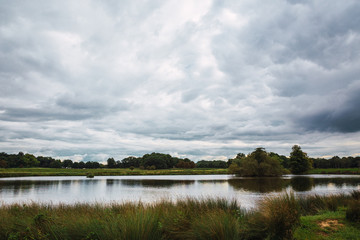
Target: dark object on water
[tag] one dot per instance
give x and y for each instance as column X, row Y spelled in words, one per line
column 89, row 175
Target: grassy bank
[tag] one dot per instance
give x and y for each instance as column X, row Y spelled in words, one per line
column 282, row 217
column 18, row 172
column 335, row 171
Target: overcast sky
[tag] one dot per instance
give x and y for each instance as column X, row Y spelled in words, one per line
column 88, row 80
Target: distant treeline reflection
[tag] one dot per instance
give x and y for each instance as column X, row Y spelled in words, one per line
column 259, row 185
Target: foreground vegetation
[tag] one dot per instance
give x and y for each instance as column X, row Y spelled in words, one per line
column 283, row 217
column 19, row 172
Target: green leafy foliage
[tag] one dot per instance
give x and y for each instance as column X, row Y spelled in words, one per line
column 353, row 211
column 299, row 161
column 259, row 163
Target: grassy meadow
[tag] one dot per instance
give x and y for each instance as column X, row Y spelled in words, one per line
column 335, row 171
column 282, row 217
column 18, row 172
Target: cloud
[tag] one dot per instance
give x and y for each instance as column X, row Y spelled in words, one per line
column 201, row 79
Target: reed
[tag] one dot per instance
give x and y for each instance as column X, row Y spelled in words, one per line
column 275, row 218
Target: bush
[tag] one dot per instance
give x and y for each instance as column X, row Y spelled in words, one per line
column 89, row 175
column 215, row 225
column 353, row 211
column 276, row 219
column 355, row 194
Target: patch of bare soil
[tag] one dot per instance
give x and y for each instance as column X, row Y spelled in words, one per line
column 329, row 225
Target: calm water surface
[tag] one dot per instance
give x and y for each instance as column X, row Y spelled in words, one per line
column 153, row 188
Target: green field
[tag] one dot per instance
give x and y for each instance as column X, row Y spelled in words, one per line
column 327, row 225
column 335, row 171
column 18, row 172
column 282, row 217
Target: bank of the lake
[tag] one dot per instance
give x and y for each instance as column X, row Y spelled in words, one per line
column 22, row 172
column 335, row 171
column 282, row 217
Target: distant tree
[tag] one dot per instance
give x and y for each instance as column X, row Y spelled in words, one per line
column 81, row 164
column 3, row 163
column 95, row 165
column 89, row 164
column 186, row 163
column 67, row 163
column 130, row 161
column 45, row 161
column 211, row 164
column 299, row 161
column 30, row 160
column 159, row 160
column 111, row 163
column 75, row 165
column 56, row 164
column 259, row 163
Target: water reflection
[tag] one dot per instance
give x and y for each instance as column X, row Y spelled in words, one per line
column 155, row 183
column 152, row 188
column 302, row 184
column 260, row 185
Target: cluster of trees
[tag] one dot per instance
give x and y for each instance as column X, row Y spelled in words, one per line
column 151, row 161
column 261, row 163
column 337, row 162
column 256, row 164
column 28, row 160
column 212, row 164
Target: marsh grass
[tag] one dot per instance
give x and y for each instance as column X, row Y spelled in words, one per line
column 275, row 218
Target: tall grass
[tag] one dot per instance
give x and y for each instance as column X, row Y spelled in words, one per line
column 275, row 218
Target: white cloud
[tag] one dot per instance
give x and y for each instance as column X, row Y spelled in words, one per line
column 199, row 79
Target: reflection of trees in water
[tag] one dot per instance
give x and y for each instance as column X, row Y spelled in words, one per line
column 301, row 183
column 155, row 182
column 25, row 186
column 298, row 183
column 261, row 185
column 338, row 181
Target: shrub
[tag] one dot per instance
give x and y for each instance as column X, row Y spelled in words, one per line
column 215, row 225
column 89, row 175
column 353, row 211
column 276, row 219
column 355, row 194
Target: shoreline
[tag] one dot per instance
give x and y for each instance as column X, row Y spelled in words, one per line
column 35, row 172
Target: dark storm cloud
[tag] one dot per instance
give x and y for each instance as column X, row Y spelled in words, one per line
column 344, row 118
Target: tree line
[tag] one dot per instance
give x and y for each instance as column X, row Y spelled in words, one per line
column 253, row 164
column 262, row 163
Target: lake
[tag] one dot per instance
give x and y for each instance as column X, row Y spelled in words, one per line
column 109, row 189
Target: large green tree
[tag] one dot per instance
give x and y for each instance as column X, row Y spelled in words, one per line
column 299, row 161
column 259, row 163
